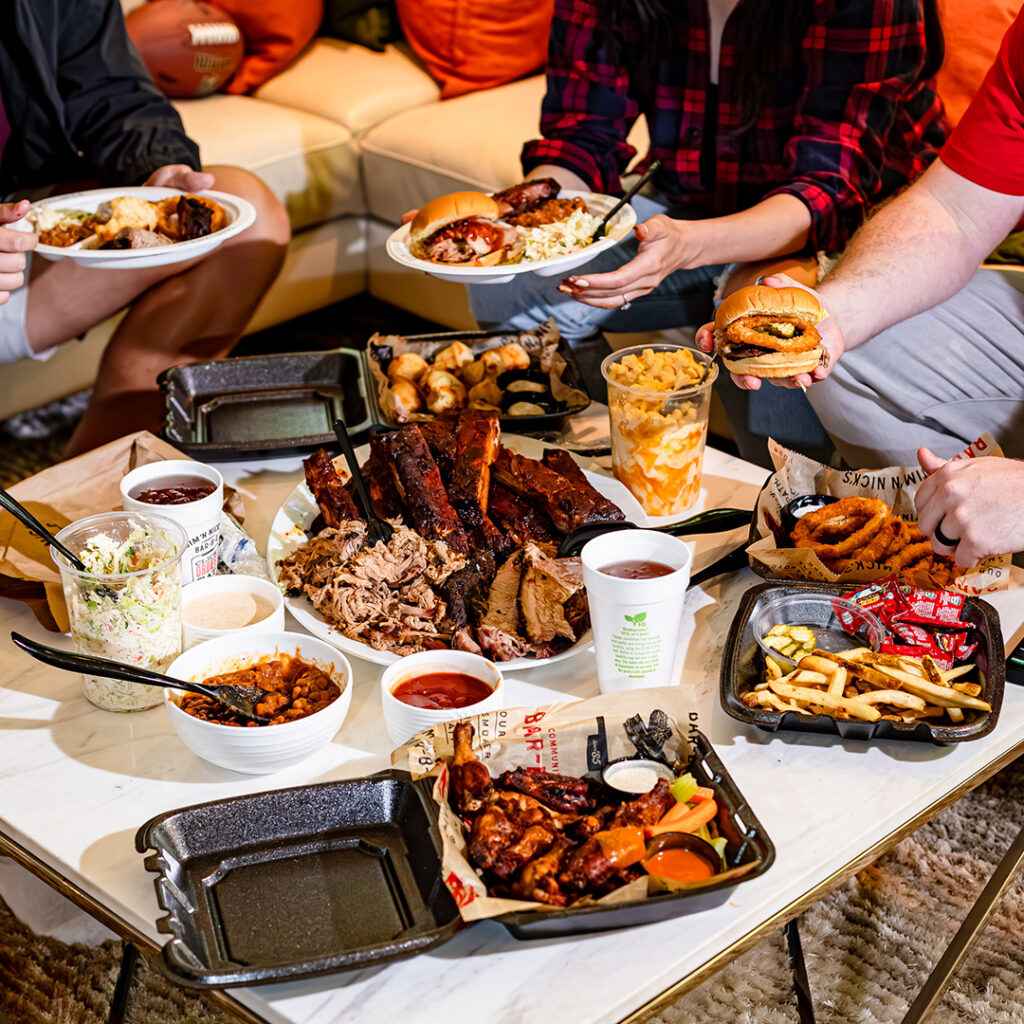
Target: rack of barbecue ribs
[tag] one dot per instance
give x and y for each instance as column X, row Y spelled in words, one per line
column 548, row 837
column 567, row 503
column 421, row 489
column 563, row 463
column 476, row 447
column 519, row 521
column 327, row 487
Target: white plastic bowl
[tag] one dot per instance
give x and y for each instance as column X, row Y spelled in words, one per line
column 258, row 751
column 403, row 721
column 191, row 634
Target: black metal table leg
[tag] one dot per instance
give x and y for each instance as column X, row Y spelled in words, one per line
column 801, row 983
column 968, row 933
column 119, row 1003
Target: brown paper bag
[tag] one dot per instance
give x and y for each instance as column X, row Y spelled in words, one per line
column 60, row 495
column 570, row 739
column 796, row 475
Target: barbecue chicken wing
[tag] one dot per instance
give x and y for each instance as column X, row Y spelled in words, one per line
column 647, row 809
column 592, row 866
column 559, row 792
column 470, row 779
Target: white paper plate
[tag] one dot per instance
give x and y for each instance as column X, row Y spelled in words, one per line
column 240, row 214
column 287, row 532
column 618, row 228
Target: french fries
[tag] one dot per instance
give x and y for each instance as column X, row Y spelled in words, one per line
column 868, row 686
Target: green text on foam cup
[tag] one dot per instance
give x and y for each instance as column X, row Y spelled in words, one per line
column 636, row 651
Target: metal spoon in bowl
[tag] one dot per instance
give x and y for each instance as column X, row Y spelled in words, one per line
column 242, row 699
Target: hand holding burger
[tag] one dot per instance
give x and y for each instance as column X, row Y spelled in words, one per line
column 776, row 331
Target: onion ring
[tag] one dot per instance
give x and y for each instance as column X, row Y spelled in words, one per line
column 852, row 521
column 744, row 332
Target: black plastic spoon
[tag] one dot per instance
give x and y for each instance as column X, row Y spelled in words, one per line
column 715, row 520
column 242, row 699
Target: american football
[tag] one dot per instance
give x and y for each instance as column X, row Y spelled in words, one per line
column 190, row 48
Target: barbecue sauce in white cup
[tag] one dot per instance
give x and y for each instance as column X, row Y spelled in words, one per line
column 200, row 518
column 636, row 583
column 403, row 721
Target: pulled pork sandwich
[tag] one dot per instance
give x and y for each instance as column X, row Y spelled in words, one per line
column 463, row 228
column 769, row 332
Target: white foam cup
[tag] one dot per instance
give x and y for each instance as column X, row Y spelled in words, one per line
column 636, row 622
column 199, row 519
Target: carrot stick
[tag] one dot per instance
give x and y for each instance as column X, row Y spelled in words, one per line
column 689, row 821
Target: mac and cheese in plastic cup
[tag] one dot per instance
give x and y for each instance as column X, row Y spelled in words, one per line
column 658, row 401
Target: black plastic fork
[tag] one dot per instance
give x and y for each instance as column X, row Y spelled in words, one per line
column 242, row 699
column 377, row 529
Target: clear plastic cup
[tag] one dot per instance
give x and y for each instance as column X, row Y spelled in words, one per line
column 130, row 617
column 658, row 436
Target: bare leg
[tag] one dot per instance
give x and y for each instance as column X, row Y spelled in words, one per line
column 182, row 313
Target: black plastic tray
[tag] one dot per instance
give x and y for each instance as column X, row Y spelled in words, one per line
column 264, row 406
column 299, row 882
column 546, row 423
column 743, row 663
column 746, row 842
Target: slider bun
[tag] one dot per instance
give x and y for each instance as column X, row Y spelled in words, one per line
column 445, row 209
column 760, row 300
column 775, row 364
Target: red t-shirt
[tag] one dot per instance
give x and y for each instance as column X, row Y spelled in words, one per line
column 987, row 146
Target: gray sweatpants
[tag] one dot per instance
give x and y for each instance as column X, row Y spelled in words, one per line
column 939, row 379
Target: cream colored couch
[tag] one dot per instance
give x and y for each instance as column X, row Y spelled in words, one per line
column 348, row 139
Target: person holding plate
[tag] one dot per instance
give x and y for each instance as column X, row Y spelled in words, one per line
column 778, row 124
column 77, row 105
column 926, row 351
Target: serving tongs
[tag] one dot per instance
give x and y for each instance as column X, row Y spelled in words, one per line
column 29, row 521
column 377, row 529
column 602, row 228
column 715, row 520
column 242, row 699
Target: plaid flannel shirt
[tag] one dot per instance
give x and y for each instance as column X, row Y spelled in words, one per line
column 850, row 123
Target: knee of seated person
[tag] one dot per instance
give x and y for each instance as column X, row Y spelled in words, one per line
column 271, row 217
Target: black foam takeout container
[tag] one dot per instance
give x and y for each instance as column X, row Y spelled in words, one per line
column 298, row 882
column 264, row 406
column 479, row 342
column 341, row 875
column 743, row 667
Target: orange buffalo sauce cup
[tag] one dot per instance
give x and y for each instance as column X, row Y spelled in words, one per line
column 658, row 401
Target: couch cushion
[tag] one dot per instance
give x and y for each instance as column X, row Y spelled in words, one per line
column 470, row 141
column 309, row 162
column 352, row 85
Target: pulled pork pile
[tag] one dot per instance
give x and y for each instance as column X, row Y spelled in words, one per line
column 472, row 562
column 383, row 595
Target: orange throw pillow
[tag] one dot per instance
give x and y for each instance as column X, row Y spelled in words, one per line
column 275, row 31
column 973, row 32
column 475, row 44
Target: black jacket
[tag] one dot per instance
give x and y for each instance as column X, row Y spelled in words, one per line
column 80, row 102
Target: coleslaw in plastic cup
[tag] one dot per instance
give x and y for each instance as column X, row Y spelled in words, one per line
column 658, row 401
column 127, row 605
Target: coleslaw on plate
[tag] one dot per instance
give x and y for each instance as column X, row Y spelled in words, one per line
column 560, row 238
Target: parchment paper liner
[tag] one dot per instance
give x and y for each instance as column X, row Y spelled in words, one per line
column 796, row 475
column 572, row 739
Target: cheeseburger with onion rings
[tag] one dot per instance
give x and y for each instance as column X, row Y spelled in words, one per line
column 769, row 332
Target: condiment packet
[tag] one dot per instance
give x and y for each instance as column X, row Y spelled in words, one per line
column 917, row 621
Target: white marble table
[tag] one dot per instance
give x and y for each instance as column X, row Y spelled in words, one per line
column 75, row 784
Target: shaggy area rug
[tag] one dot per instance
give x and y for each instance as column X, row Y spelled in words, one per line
column 869, row 945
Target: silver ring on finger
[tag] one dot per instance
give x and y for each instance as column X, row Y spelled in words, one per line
column 625, row 303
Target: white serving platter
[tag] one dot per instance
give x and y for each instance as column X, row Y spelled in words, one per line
column 618, row 228
column 287, row 532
